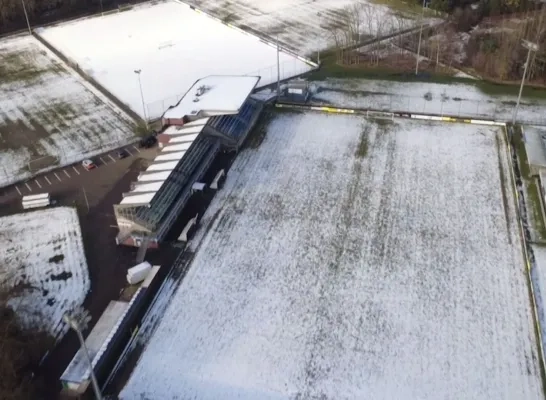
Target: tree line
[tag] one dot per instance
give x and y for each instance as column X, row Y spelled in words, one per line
column 487, row 8
column 12, row 12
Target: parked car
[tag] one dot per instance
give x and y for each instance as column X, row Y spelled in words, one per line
column 148, row 141
column 89, row 164
column 122, row 154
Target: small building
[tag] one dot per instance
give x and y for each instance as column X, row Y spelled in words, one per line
column 77, row 377
column 296, row 91
column 107, row 338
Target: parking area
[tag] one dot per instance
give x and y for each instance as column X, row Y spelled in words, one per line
column 49, row 181
column 74, row 176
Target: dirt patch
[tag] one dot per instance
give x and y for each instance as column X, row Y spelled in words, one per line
column 17, row 67
column 63, row 276
column 257, row 136
column 362, row 149
column 56, row 258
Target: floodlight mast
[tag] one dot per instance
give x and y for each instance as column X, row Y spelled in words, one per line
column 73, row 324
column 531, row 47
column 138, row 71
column 26, row 17
column 420, row 36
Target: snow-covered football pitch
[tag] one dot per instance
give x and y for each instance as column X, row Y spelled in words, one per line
column 42, row 259
column 50, row 116
column 351, row 259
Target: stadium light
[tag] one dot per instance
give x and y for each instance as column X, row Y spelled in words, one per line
column 72, row 323
column 138, row 71
column 420, row 36
column 319, row 15
column 531, row 47
column 26, row 16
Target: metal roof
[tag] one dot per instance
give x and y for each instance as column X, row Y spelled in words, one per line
column 152, row 179
column 147, row 187
column 78, row 369
column 177, row 147
column 183, row 138
column 214, row 95
column 170, row 156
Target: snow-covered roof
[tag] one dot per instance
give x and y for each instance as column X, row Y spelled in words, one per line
column 78, row 369
column 151, row 180
column 214, row 95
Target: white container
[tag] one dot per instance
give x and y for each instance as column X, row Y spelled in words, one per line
column 138, row 273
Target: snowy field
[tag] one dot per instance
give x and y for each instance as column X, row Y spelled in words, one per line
column 538, row 274
column 49, row 116
column 307, row 26
column 172, row 45
column 42, row 258
column 447, row 99
column 346, row 259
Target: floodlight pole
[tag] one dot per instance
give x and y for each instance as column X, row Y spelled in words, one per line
column 420, row 36
column 138, row 71
column 319, row 15
column 101, row 9
column 26, row 16
column 72, row 323
column 278, row 70
column 531, row 47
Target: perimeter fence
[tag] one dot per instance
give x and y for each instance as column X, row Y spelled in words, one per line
column 442, row 104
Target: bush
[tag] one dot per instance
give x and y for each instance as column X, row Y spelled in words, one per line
column 20, row 354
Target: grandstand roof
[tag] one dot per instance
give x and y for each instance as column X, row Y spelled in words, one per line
column 214, row 95
column 151, row 180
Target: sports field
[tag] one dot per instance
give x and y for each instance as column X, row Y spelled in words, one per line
column 49, row 115
column 351, row 259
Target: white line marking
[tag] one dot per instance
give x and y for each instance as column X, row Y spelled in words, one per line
column 129, row 152
column 28, row 187
column 112, row 158
column 38, row 183
column 74, row 168
column 66, row 173
column 136, row 148
column 104, row 162
column 48, row 181
column 18, row 191
column 54, row 173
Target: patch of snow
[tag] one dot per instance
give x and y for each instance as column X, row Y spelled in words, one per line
column 49, row 116
column 447, row 99
column 388, row 267
column 112, row 47
column 42, row 257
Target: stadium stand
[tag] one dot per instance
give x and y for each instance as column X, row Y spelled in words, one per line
column 190, row 141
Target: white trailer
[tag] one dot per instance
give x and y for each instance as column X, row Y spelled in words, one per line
column 36, row 201
column 138, row 273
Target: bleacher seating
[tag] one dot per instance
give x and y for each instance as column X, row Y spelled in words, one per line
column 236, row 126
